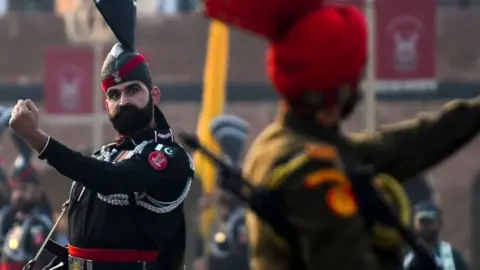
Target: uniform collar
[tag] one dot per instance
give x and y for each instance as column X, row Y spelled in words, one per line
column 306, row 125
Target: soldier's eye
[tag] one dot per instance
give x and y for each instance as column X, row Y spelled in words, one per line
column 113, row 95
column 133, row 89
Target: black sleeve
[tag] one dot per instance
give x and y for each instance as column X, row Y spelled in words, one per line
column 130, row 175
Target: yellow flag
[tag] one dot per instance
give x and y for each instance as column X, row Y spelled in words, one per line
column 215, row 76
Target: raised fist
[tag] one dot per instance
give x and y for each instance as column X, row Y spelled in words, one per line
column 25, row 118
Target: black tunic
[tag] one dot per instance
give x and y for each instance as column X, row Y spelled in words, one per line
column 128, row 196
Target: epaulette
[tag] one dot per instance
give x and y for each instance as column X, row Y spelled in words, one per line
column 322, row 151
column 298, row 158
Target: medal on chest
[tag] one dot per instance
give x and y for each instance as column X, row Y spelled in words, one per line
column 16, row 233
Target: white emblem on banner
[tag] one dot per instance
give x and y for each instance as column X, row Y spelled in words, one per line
column 405, row 32
column 69, row 80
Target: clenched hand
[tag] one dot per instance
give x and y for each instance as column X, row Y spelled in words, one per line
column 25, row 122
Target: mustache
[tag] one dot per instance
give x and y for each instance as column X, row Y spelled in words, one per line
column 125, row 109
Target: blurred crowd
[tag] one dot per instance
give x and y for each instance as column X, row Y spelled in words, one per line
column 26, row 216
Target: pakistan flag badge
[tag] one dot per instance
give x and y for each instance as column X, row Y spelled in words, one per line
column 169, row 151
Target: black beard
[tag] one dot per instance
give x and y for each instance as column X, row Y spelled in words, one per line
column 130, row 119
column 22, row 205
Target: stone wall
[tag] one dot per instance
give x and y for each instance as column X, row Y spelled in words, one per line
column 176, row 47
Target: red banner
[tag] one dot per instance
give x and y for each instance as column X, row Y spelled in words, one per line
column 405, row 43
column 68, row 80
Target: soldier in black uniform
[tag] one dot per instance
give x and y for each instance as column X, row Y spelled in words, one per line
column 24, row 224
column 126, row 202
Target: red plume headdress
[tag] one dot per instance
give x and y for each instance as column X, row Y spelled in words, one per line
column 313, row 47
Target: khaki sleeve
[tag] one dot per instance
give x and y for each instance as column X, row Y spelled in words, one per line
column 407, row 148
column 322, row 208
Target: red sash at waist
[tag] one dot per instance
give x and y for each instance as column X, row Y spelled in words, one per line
column 112, row 255
column 11, row 266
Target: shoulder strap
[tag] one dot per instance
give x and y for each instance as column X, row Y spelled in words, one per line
column 408, row 259
column 446, row 253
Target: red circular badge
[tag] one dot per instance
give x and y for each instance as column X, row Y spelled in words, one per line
column 157, row 161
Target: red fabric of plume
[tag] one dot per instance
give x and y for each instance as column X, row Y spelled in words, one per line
column 314, row 47
column 324, row 50
column 268, row 18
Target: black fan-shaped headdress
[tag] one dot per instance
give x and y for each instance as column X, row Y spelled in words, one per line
column 123, row 63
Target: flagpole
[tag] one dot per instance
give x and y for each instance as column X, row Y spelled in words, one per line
column 98, row 112
column 370, row 82
column 214, row 84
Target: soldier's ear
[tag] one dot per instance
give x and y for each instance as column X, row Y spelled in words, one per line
column 105, row 103
column 155, row 95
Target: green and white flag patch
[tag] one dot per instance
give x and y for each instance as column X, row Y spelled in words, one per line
column 167, row 150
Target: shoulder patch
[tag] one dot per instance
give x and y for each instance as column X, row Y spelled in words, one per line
column 341, row 201
column 339, row 198
column 323, row 176
column 168, row 150
column 157, row 160
column 321, row 151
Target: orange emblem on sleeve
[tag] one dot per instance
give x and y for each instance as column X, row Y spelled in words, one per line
column 318, row 151
column 342, row 201
column 322, row 177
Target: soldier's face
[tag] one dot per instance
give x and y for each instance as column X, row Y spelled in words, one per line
column 130, row 106
column 23, row 195
column 427, row 228
column 4, row 191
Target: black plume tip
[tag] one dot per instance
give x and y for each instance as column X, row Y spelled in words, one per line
column 121, row 17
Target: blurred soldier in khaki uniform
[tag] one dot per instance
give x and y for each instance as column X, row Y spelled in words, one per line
column 315, row 61
column 300, row 158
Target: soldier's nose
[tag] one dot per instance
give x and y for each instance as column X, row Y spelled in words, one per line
column 124, row 100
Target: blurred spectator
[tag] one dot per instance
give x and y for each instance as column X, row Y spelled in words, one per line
column 427, row 224
column 228, row 248
column 23, row 177
column 26, row 222
column 200, row 263
column 4, row 188
column 418, row 189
